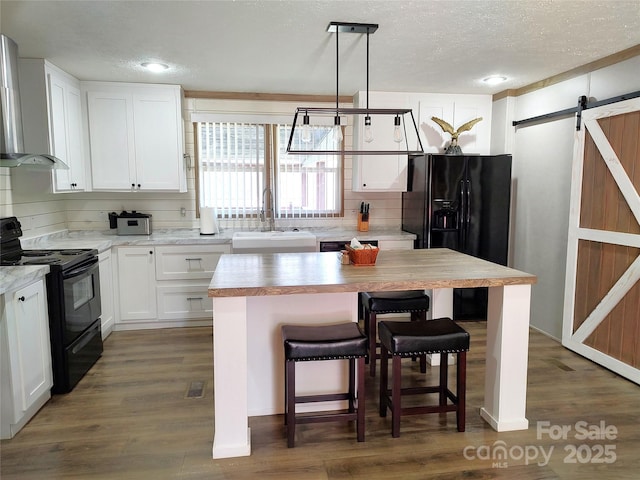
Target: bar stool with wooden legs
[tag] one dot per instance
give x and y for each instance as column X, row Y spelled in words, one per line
column 324, row 342
column 405, row 339
column 415, row 302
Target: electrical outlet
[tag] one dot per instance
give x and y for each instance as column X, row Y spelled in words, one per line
column 183, row 212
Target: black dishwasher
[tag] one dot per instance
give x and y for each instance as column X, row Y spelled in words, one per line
column 336, row 246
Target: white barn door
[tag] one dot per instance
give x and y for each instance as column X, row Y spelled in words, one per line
column 602, row 290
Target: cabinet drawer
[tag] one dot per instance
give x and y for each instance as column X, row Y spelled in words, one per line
column 181, row 263
column 184, row 302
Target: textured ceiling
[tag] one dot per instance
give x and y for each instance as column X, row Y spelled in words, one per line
column 283, row 46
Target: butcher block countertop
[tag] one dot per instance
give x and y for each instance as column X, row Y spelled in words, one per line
column 250, row 275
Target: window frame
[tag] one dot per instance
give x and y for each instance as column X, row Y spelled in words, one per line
column 270, row 179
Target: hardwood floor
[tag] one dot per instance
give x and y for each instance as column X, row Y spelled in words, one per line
column 130, row 418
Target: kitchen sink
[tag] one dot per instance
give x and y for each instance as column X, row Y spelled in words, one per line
column 273, row 242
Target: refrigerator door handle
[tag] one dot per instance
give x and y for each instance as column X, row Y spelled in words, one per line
column 468, row 213
column 468, row 195
column 462, row 221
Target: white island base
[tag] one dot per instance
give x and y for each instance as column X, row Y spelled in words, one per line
column 252, row 384
column 255, row 370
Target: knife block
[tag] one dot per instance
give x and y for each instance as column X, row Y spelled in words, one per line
column 363, row 222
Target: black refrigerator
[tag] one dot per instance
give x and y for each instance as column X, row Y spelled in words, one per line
column 460, row 202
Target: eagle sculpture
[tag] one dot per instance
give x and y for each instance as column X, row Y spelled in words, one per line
column 454, row 148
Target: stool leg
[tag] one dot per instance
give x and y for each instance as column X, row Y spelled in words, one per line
column 384, row 380
column 422, row 316
column 372, row 343
column 444, row 366
column 395, row 395
column 461, row 389
column 352, row 384
column 415, row 316
column 291, row 403
column 286, row 390
column 360, row 399
column 366, row 330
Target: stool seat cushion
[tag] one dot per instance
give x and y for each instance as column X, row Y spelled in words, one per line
column 431, row 336
column 396, row 302
column 323, row 342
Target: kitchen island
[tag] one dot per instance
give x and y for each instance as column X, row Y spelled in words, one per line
column 254, row 294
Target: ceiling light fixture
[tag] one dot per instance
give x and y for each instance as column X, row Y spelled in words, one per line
column 494, row 79
column 398, row 118
column 155, row 67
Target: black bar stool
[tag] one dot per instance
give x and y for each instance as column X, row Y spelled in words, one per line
column 415, row 302
column 324, row 342
column 404, row 339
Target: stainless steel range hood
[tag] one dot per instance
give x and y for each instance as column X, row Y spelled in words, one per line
column 12, row 152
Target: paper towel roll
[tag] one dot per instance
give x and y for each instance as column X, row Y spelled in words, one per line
column 208, row 221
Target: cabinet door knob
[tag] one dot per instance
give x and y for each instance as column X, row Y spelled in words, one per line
column 138, row 186
column 21, row 298
column 150, row 252
column 133, row 185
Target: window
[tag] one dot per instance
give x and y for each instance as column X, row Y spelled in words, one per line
column 242, row 164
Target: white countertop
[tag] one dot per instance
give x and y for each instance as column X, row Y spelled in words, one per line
column 12, row 278
column 103, row 240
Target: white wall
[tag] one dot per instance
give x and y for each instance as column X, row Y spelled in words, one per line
column 542, row 155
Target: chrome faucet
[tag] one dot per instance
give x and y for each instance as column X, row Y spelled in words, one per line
column 272, row 212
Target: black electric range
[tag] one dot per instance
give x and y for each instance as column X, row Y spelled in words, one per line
column 73, row 300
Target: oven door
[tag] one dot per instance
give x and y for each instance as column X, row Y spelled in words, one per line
column 81, row 288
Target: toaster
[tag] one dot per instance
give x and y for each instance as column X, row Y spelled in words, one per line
column 132, row 223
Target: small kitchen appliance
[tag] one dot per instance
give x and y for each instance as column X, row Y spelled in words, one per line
column 131, row 223
column 73, row 298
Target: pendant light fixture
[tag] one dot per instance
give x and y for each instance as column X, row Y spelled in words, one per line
column 397, row 118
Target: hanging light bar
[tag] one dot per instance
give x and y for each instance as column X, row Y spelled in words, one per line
column 397, row 118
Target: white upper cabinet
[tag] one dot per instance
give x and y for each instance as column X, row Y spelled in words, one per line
column 456, row 110
column 52, row 120
column 375, row 173
column 135, row 135
column 388, row 173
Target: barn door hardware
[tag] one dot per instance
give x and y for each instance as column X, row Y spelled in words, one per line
column 583, row 104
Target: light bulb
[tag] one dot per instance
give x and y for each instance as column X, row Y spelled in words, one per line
column 368, row 134
column 155, row 67
column 305, row 134
column 337, row 130
column 397, row 131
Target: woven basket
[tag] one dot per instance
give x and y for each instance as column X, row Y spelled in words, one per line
column 363, row 256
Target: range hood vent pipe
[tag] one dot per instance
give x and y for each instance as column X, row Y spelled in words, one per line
column 12, row 151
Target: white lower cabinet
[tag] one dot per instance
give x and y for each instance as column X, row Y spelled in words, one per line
column 184, row 302
column 106, row 293
column 137, row 284
column 25, row 356
column 166, row 286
